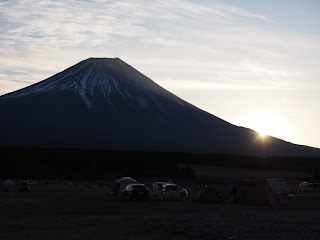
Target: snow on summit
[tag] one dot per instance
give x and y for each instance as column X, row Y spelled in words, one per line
column 108, row 77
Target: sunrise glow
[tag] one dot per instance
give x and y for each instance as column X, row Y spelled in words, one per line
column 267, row 124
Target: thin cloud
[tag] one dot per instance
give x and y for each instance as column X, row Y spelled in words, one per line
column 236, row 11
column 192, row 85
column 204, row 42
column 68, row 24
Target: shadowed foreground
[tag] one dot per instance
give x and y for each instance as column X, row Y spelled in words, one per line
column 84, row 212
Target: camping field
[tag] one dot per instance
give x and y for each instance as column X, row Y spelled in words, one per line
column 211, row 173
column 87, row 211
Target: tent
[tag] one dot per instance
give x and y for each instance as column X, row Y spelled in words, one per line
column 257, row 192
column 205, row 193
column 8, row 186
column 208, row 195
column 279, row 185
column 120, row 184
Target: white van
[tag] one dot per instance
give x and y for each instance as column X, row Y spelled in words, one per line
column 157, row 190
column 170, row 191
column 306, row 187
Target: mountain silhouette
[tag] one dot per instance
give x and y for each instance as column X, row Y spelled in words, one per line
column 104, row 103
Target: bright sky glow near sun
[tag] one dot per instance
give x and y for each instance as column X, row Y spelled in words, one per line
column 252, row 63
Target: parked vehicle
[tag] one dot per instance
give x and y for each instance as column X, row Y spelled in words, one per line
column 306, row 187
column 135, row 191
column 183, row 192
column 23, row 186
column 32, row 182
column 157, row 190
column 29, row 182
column 170, row 191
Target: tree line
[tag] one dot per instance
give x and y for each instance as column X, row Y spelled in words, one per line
column 80, row 164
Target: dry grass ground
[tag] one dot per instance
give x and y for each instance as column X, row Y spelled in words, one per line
column 79, row 212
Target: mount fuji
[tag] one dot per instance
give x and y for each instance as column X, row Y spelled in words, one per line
column 104, row 103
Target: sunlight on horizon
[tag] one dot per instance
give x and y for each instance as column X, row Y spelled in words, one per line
column 262, row 134
column 267, row 125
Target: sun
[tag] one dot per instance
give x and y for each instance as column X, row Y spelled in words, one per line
column 262, row 134
column 265, row 128
column 267, row 125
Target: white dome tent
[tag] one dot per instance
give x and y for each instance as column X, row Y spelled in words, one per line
column 8, row 186
column 120, row 184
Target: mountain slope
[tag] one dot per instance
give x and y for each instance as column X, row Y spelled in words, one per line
column 104, row 103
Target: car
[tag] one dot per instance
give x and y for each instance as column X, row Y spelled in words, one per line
column 29, row 182
column 170, row 191
column 306, row 187
column 32, row 182
column 183, row 192
column 24, row 186
column 157, row 191
column 135, row 191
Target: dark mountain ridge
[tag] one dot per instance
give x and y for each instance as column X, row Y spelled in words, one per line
column 103, row 103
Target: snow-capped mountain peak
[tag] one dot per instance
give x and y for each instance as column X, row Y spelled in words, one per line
column 104, row 103
column 108, row 77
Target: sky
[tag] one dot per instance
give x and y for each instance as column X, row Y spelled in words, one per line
column 252, row 63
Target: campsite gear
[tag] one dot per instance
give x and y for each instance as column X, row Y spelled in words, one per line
column 279, row 185
column 8, row 186
column 120, row 184
column 206, row 193
column 258, row 192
